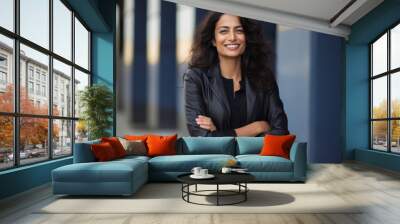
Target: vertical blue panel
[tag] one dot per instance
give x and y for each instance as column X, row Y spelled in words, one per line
column 102, row 51
column 293, row 75
column 139, row 85
column 200, row 14
column 102, row 60
column 326, row 98
column 270, row 35
column 357, row 98
column 310, row 73
column 168, row 73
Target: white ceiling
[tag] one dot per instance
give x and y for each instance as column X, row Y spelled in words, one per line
column 319, row 9
column 315, row 15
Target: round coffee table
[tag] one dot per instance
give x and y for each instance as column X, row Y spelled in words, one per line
column 238, row 179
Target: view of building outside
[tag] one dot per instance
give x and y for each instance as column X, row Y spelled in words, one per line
column 34, row 99
column 36, row 116
column 386, row 122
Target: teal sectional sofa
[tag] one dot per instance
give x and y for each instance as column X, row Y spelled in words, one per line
column 125, row 176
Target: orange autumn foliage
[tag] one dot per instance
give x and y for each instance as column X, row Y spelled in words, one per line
column 33, row 130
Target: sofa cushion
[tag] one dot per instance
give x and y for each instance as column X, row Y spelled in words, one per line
column 134, row 147
column 111, row 171
column 116, row 145
column 103, row 152
column 132, row 158
column 83, row 152
column 185, row 163
column 249, row 145
column 257, row 163
column 206, row 145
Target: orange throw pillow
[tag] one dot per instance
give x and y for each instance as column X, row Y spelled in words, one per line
column 161, row 145
column 103, row 152
column 136, row 137
column 116, row 145
column 277, row 145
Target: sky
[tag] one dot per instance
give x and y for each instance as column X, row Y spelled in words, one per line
column 35, row 27
column 379, row 59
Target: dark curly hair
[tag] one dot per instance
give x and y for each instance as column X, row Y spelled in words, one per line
column 257, row 58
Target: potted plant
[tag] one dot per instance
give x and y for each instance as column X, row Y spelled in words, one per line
column 96, row 102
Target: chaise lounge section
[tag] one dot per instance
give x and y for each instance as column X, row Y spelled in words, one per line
column 125, row 176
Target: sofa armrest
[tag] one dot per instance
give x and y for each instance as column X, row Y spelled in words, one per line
column 83, row 152
column 298, row 155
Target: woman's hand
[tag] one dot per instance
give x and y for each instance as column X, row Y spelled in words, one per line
column 261, row 126
column 205, row 122
column 253, row 129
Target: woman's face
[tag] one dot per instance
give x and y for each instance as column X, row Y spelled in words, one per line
column 229, row 37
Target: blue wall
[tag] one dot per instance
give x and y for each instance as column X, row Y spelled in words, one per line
column 24, row 178
column 311, row 82
column 293, row 76
column 357, row 84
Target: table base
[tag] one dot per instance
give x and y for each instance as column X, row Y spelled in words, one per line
column 241, row 191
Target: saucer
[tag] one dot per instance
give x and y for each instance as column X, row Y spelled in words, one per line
column 208, row 176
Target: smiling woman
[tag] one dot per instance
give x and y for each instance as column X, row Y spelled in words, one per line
column 230, row 89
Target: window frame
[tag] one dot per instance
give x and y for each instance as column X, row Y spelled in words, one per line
column 388, row 74
column 16, row 114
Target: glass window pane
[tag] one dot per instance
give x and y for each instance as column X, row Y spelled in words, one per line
column 379, row 97
column 6, row 142
column 62, row 29
column 379, row 135
column 395, row 136
column 35, row 21
column 395, row 95
column 33, row 140
column 62, row 138
column 34, row 97
column 379, row 55
column 81, row 81
column 81, row 45
column 395, row 47
column 6, row 74
column 62, row 89
column 7, row 14
column 81, row 131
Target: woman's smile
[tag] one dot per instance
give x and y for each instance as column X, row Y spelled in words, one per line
column 232, row 46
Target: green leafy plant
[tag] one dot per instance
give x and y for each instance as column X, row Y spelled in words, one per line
column 96, row 102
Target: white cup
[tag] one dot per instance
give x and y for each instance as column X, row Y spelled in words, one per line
column 196, row 171
column 203, row 172
column 226, row 170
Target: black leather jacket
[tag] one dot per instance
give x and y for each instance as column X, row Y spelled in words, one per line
column 205, row 95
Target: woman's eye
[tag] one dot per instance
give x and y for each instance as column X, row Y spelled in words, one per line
column 223, row 31
column 239, row 31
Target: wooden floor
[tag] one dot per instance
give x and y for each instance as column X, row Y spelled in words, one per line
column 354, row 182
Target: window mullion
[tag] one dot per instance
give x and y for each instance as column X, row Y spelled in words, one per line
column 389, row 76
column 16, row 69
column 73, row 82
column 371, row 89
column 50, row 81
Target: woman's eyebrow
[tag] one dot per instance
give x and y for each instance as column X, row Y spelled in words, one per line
column 227, row 27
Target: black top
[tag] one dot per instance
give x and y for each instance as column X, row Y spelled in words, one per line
column 220, row 178
column 237, row 103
